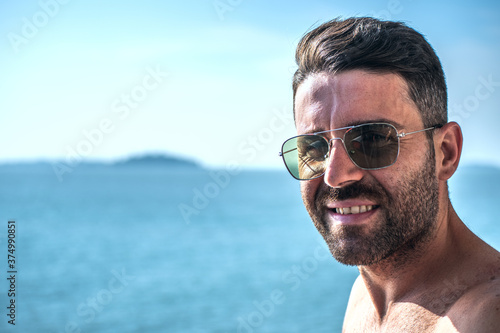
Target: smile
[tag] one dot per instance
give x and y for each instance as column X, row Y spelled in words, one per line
column 354, row 209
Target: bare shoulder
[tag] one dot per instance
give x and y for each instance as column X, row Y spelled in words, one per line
column 478, row 310
column 356, row 307
column 358, row 293
column 358, row 289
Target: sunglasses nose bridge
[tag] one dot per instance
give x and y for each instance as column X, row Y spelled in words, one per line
column 330, row 144
column 339, row 168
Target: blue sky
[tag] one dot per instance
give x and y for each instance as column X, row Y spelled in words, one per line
column 206, row 79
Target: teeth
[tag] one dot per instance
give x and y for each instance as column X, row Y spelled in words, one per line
column 354, row 209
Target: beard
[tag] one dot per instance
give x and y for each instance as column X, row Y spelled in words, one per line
column 407, row 219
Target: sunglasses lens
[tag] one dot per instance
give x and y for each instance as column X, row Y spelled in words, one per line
column 305, row 156
column 372, row 146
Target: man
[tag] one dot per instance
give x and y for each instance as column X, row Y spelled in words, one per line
column 374, row 152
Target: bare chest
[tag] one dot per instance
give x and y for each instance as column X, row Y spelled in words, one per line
column 402, row 318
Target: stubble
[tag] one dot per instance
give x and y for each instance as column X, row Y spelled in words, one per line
column 407, row 219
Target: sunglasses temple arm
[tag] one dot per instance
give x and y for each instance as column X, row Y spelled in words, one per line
column 403, row 134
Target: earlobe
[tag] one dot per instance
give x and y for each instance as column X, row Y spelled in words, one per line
column 448, row 149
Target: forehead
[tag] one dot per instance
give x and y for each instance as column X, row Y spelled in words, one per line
column 325, row 101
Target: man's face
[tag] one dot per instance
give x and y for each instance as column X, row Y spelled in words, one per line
column 391, row 211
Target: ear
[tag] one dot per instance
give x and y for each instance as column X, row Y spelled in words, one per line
column 448, row 145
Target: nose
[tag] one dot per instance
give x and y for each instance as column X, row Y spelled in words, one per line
column 340, row 170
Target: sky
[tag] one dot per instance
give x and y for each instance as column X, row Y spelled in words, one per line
column 206, row 79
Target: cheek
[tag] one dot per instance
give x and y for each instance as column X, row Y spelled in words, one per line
column 412, row 155
column 394, row 178
column 308, row 190
column 389, row 179
column 408, row 163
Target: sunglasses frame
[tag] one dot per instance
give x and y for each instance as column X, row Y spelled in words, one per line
column 342, row 139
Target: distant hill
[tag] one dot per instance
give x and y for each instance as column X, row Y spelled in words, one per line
column 157, row 160
column 162, row 160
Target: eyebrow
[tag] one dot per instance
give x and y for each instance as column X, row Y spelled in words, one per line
column 377, row 120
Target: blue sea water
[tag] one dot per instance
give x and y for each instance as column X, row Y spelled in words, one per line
column 152, row 249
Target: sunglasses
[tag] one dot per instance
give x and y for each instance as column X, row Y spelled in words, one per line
column 369, row 146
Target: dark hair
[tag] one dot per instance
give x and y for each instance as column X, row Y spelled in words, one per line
column 381, row 47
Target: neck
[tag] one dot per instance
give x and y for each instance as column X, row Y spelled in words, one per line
column 409, row 274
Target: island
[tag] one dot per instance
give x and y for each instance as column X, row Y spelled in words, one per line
column 157, row 160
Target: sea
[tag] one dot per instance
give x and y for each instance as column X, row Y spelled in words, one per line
column 150, row 248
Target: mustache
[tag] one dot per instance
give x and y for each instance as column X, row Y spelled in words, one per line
column 353, row 191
